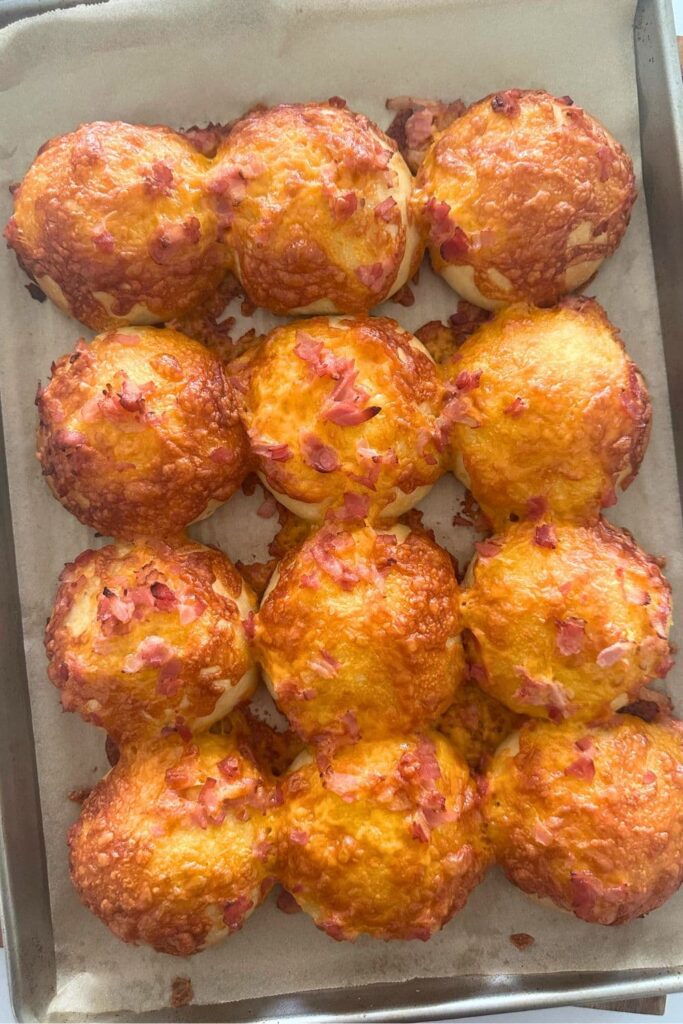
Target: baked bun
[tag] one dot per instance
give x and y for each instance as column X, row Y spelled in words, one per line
column 139, row 433
column 342, row 412
column 316, row 203
column 114, row 223
column 149, row 638
column 386, row 839
column 174, row 848
column 565, row 621
column 523, row 197
column 549, row 414
column 359, row 633
column 591, row 816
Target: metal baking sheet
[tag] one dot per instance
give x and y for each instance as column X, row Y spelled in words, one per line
column 26, row 851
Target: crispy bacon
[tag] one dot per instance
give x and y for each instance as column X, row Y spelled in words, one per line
column 545, row 536
column 467, row 381
column 169, row 681
column 298, row 836
column 455, row 247
column 321, row 457
column 506, row 103
column 374, row 275
column 229, row 767
column 190, row 609
column 268, row 507
column 235, row 911
column 163, row 597
column 131, row 396
column 583, row 768
column 346, row 414
column 570, row 635
column 325, row 665
column 158, row 179
column 171, row 237
column 356, row 506
column 385, row 209
column 286, row 903
column 322, row 361
column 542, row 692
column 152, row 652
column 271, row 450
column 103, row 239
column 344, row 205
column 419, row 127
column 249, row 626
column 516, row 407
column 615, row 652
column 488, row 548
column 438, row 215
column 536, row 507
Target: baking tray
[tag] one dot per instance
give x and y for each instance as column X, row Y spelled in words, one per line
column 25, row 905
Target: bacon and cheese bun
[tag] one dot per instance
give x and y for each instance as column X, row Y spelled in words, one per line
column 476, row 724
column 385, row 839
column 523, row 197
column 316, row 205
column 115, row 224
column 359, row 633
column 342, row 412
column 175, row 847
column 565, row 621
column 547, row 413
column 591, row 816
column 139, row 433
column 150, row 638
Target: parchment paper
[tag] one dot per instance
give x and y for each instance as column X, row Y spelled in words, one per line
column 189, row 62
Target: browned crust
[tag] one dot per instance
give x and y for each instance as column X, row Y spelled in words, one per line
column 174, row 437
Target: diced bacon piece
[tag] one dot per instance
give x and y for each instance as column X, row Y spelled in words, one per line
column 169, row 681
column 609, row 656
column 455, row 247
column 570, row 635
column 350, row 725
column 385, row 209
column 221, row 454
column 286, row 903
column 506, row 103
column 356, row 506
column 374, row 275
column 111, row 606
column 542, row 834
column 522, row 940
column 344, row 205
column 582, row 768
column 320, row 456
column 438, row 215
column 268, row 507
column 346, row 414
column 467, row 381
column 419, row 829
column 162, row 597
column 343, row 784
column 152, row 652
column 516, row 407
column 271, row 450
column 190, row 609
column 488, row 548
column 158, row 179
column 235, row 912
column 229, row 767
column 103, row 239
column 172, row 237
column 419, row 127
column 249, row 626
column 545, row 693
column 545, row 536
column 299, row 836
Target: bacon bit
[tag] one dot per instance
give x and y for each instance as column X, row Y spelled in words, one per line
column 346, row 414
column 582, row 768
column 455, row 247
column 221, row 454
column 131, row 396
column 299, row 837
column 190, row 609
column 385, row 209
column 372, row 276
column 456, row 410
column 522, row 940
column 648, row 710
column 404, row 296
column 182, row 992
column 419, row 829
column 373, row 462
column 205, row 140
column 542, row 834
column 103, row 240
column 67, row 438
column 356, row 506
column 229, row 181
column 181, row 727
column 319, row 357
column 110, row 606
column 337, row 101
column 169, row 681
column 506, row 103
column 311, row 580
column 229, row 767
column 235, row 911
column 545, row 693
column 478, row 674
column 152, row 652
column 649, row 778
column 570, row 635
column 605, row 159
column 209, row 798
column 268, row 507
column 321, row 457
column 271, row 450
column 158, row 179
column 545, row 536
column 286, row 903
column 516, row 407
column 344, row 205
column 419, row 128
column 78, row 796
column 536, row 507
column 170, row 237
column 615, row 652
column 249, row 626
column 325, row 548
column 326, row 665
column 438, row 214
column 350, row 723
column 343, row 784
column 488, row 548
column 467, row 381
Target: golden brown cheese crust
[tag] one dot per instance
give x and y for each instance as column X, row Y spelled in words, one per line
column 591, row 816
column 114, row 222
column 339, row 409
column 476, row 724
column 549, row 413
column 523, row 196
column 565, row 621
column 385, row 839
column 315, row 202
column 139, row 433
column 174, row 847
column 146, row 639
column 360, row 634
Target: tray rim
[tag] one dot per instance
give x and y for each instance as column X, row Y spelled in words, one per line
column 25, row 910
